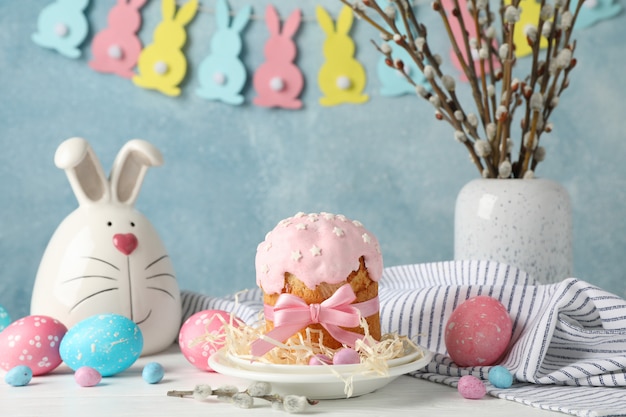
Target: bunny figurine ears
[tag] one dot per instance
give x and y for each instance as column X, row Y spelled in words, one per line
column 106, row 257
column 87, row 177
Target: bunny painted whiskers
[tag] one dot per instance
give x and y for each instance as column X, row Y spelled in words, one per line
column 106, row 257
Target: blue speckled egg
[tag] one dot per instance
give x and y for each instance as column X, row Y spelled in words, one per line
column 108, row 343
column 19, row 376
column 5, row 320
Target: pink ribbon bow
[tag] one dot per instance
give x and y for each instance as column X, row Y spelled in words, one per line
column 291, row 314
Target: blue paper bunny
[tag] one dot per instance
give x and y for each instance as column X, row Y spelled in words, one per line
column 593, row 11
column 222, row 75
column 63, row 26
column 393, row 81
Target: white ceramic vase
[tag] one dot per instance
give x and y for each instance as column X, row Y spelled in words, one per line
column 526, row 223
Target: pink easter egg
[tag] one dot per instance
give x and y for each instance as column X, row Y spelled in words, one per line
column 86, row 376
column 471, row 387
column 346, row 356
column 32, row 341
column 478, row 332
column 202, row 334
column 320, row 359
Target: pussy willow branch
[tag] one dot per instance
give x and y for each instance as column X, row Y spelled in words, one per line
column 539, row 91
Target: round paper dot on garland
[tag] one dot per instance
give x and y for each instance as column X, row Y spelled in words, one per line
column 153, row 373
column 344, row 82
column 471, row 387
column 19, row 376
column 277, row 84
column 115, row 52
column 500, row 377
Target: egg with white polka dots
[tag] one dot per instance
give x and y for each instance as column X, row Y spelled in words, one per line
column 108, row 343
column 32, row 341
column 202, row 334
column 478, row 332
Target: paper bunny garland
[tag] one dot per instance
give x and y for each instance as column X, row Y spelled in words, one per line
column 116, row 48
column 341, row 78
column 222, row 74
column 278, row 82
column 393, row 82
column 449, row 6
column 162, row 64
column 63, row 26
column 106, row 257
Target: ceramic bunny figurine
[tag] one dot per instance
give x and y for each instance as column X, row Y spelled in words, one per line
column 341, row 78
column 162, row 65
column 278, row 81
column 106, row 257
column 116, row 48
column 222, row 74
column 62, row 26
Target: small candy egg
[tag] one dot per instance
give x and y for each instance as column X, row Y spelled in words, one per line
column 86, row 376
column 500, row 377
column 478, row 332
column 346, row 356
column 153, row 373
column 320, row 359
column 202, row 334
column 108, row 343
column 32, row 341
column 471, row 387
column 19, row 376
column 5, row 319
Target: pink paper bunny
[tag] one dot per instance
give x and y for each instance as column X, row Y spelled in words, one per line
column 278, row 81
column 449, row 6
column 116, row 48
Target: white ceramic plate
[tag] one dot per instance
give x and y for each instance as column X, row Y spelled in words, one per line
column 257, row 366
column 320, row 386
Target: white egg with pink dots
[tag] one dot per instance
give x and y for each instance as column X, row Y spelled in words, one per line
column 32, row 341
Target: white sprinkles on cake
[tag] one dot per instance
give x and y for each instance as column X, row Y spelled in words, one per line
column 316, row 248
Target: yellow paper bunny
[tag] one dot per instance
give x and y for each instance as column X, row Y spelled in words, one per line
column 162, row 64
column 341, row 78
column 528, row 17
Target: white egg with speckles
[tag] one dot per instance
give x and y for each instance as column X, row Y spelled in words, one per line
column 108, row 343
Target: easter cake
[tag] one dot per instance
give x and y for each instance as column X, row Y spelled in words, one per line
column 319, row 274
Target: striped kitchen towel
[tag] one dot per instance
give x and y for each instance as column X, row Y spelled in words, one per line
column 567, row 352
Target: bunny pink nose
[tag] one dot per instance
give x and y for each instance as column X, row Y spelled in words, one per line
column 125, row 243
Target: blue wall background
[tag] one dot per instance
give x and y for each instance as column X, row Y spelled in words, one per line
column 231, row 173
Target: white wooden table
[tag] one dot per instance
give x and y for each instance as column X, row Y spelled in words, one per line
column 126, row 394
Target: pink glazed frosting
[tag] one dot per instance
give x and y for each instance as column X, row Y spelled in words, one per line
column 316, row 248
